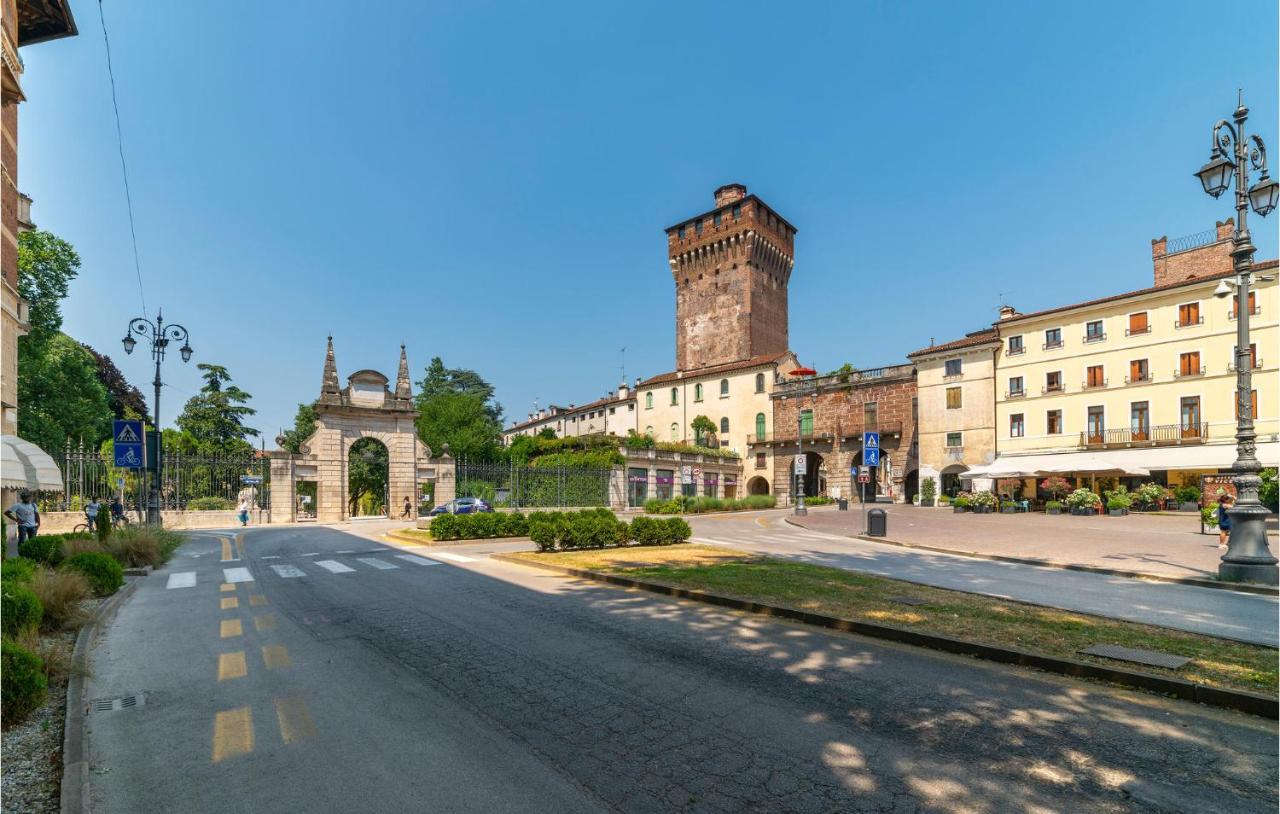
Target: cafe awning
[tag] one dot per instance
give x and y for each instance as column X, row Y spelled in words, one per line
column 1133, row 461
column 23, row 465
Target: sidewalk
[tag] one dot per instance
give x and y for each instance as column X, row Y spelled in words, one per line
column 1163, row 545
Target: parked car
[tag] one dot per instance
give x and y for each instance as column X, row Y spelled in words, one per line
column 462, row 505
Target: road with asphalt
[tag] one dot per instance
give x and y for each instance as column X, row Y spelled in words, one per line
column 310, row 669
column 1230, row 614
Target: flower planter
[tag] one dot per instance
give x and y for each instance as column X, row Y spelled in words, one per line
column 1053, row 511
column 1117, row 512
column 926, row 503
column 959, row 509
column 1083, row 511
column 1188, row 507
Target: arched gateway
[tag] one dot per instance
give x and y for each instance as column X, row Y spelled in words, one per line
column 365, row 408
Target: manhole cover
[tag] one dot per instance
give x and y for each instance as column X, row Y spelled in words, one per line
column 1151, row 658
column 907, row 600
column 114, row 704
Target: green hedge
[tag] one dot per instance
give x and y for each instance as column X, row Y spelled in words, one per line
column 105, row 575
column 20, row 608
column 210, row 504
column 589, row 528
column 819, row 500
column 47, row 548
column 479, row 526
column 698, row 505
column 18, row 569
column 23, row 681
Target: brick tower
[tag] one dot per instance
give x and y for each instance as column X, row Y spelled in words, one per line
column 731, row 267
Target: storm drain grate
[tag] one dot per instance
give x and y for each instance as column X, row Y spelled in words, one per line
column 116, row 704
column 907, row 600
column 1151, row 658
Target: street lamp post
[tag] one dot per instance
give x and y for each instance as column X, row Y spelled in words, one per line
column 1248, row 558
column 801, row 509
column 160, row 335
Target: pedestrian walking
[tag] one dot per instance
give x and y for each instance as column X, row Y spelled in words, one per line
column 242, row 511
column 91, row 510
column 26, row 515
column 408, row 508
column 1224, row 519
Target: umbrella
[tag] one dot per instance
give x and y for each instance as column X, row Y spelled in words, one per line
column 23, row 465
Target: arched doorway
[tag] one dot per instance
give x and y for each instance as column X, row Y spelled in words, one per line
column 815, row 477
column 872, row 488
column 757, row 486
column 367, row 469
column 911, row 485
column 950, row 480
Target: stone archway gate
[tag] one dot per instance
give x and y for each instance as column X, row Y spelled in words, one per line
column 365, row 408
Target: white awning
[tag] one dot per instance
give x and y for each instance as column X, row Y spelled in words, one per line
column 23, row 465
column 1137, row 462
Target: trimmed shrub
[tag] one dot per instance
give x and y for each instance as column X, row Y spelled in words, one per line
column 102, row 524
column 819, row 500
column 928, row 489
column 104, row 574
column 675, row 530
column 45, row 548
column 60, row 594
column 444, row 527
column 647, row 530
column 210, row 504
column 18, row 569
column 23, row 680
column 1116, row 503
column 542, row 530
column 1187, row 494
column 20, row 608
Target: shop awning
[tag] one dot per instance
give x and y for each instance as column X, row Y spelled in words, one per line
column 23, row 465
column 1137, row 462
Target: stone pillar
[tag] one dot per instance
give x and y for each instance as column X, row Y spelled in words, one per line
column 618, row 489
column 283, row 487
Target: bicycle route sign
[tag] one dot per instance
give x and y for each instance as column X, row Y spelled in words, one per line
column 127, row 440
column 871, row 448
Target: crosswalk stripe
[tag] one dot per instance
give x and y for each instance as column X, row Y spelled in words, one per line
column 376, row 563
column 415, row 560
column 237, row 575
column 454, row 557
column 182, row 579
column 288, row 571
column 334, row 566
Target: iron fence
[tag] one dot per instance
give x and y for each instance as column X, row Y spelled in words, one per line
column 186, row 481
column 507, row 485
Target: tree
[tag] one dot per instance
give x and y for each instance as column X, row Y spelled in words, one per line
column 547, row 432
column 440, row 380
column 304, row 426
column 367, row 469
column 702, row 427
column 125, row 400
column 59, row 393
column 46, row 266
column 460, row 420
column 214, row 417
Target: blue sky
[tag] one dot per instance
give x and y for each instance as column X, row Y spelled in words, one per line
column 489, row 182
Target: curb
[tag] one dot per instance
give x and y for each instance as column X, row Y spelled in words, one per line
column 75, row 751
column 1199, row 582
column 445, row 543
column 1240, row 700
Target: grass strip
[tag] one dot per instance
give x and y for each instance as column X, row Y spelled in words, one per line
column 988, row 620
column 412, row 534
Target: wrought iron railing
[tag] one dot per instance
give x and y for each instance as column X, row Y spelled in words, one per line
column 1155, row 436
column 1193, row 241
column 507, row 485
column 852, row 431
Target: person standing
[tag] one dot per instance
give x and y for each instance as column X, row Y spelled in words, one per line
column 26, row 515
column 242, row 511
column 91, row 510
column 1224, row 519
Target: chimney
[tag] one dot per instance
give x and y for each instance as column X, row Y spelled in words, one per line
column 1204, row 254
column 1008, row 312
column 623, row 391
column 729, row 193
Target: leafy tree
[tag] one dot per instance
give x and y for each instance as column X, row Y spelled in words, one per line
column 440, row 380
column 702, row 427
column 125, row 400
column 547, row 432
column 59, row 392
column 366, row 472
column 46, row 266
column 460, row 420
column 214, row 417
column 304, row 426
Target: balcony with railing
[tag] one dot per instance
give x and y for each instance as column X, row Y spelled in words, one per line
column 819, row 435
column 1158, row 436
column 1189, row 372
column 1257, row 365
column 1189, row 323
column 1098, row 337
column 1096, row 384
column 1253, row 312
column 1143, row 379
column 1145, row 329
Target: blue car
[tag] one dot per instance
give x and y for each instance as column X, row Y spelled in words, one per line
column 463, row 505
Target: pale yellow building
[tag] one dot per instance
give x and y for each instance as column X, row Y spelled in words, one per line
column 1144, row 379
column 614, row 414
column 955, row 393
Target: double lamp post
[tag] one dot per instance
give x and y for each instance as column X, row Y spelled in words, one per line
column 1248, row 559
column 160, row 335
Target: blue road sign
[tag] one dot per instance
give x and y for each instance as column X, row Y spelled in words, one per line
column 127, row 443
column 250, row 480
column 871, row 448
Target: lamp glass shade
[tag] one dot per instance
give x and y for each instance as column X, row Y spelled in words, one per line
column 1263, row 195
column 1215, row 176
column 128, row 343
column 1223, row 290
column 185, row 350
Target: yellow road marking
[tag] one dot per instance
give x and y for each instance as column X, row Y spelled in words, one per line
column 232, row 733
column 232, row 665
column 276, row 656
column 231, row 627
column 228, row 587
column 229, row 602
column 257, row 600
column 295, row 720
column 227, row 554
column 763, row 522
column 240, row 544
column 265, row 622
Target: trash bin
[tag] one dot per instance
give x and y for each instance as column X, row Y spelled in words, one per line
column 843, row 504
column 877, row 523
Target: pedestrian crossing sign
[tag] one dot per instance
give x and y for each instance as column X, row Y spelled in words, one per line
column 126, row 436
column 871, row 448
column 126, row 433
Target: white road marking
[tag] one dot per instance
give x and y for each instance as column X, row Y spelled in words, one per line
column 334, row 566
column 182, row 579
column 345, row 551
column 415, row 560
column 309, row 554
column 237, row 575
column 376, row 563
column 454, row 557
column 270, row 557
column 287, row 571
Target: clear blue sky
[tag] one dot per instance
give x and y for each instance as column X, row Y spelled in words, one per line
column 488, row 182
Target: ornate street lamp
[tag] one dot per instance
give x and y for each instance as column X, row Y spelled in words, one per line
column 800, row 477
column 1248, row 558
column 160, row 335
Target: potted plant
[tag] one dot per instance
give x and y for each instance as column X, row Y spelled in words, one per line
column 928, row 491
column 1149, row 495
column 1053, row 507
column 1083, row 502
column 944, row 500
column 1008, row 507
column 984, row 502
column 962, row 502
column 1188, row 498
column 1118, row 504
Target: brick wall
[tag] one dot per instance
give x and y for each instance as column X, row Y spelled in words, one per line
column 1212, row 258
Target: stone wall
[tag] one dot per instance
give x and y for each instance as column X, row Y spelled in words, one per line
column 60, row 522
column 1201, row 261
